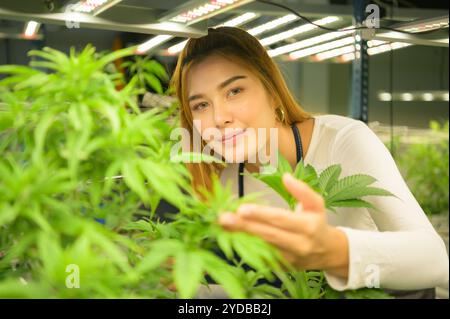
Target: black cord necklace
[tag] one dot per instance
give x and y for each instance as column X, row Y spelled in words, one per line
column 299, row 151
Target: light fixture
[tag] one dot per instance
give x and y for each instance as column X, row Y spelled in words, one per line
column 424, row 24
column 153, row 42
column 204, row 11
column 298, row 30
column 273, row 24
column 407, row 97
column 93, row 7
column 425, row 96
column 387, row 47
column 320, row 48
column 308, row 42
column 428, row 97
column 237, row 21
column 333, row 53
column 31, row 29
column 383, row 96
column 376, row 50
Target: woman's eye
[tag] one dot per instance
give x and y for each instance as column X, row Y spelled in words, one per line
column 235, row 91
column 200, row 106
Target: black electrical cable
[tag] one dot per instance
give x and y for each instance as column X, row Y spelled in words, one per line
column 337, row 30
column 391, row 102
column 391, row 90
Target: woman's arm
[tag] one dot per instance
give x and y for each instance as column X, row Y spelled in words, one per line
column 406, row 253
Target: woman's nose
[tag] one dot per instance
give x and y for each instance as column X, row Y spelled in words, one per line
column 222, row 115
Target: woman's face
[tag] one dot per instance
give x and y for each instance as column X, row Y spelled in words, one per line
column 230, row 107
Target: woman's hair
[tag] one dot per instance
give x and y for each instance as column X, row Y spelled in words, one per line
column 242, row 48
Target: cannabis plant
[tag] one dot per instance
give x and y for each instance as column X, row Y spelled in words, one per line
column 66, row 135
column 82, row 173
column 336, row 192
column 148, row 73
column 425, row 167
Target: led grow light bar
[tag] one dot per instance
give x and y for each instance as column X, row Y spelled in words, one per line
column 31, row 29
column 93, row 7
column 239, row 20
column 273, row 24
column 377, row 50
column 320, row 48
column 426, row 96
column 205, row 10
column 424, row 25
column 345, row 50
column 308, row 42
column 334, row 53
column 153, row 42
column 298, row 30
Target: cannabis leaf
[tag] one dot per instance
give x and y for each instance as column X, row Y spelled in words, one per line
column 344, row 192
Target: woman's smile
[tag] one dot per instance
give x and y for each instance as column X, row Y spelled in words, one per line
column 232, row 138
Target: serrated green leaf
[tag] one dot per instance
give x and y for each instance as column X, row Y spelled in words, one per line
column 132, row 176
column 357, row 192
column 224, row 243
column 222, row 274
column 188, row 271
column 329, row 177
column 160, row 250
column 153, row 82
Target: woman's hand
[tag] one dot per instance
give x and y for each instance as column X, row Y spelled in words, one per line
column 304, row 236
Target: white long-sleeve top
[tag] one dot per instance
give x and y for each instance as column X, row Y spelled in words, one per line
column 398, row 243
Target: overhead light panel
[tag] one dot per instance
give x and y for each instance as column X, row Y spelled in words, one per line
column 31, row 29
column 298, row 30
column 334, row 53
column 93, row 7
column 308, row 42
column 204, row 10
column 153, row 42
column 276, row 23
column 424, row 96
column 320, row 48
column 374, row 47
column 377, row 50
column 424, row 24
column 237, row 21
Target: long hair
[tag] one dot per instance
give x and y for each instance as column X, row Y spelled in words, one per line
column 242, row 48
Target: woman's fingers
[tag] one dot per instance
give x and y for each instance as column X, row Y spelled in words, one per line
column 278, row 217
column 310, row 199
column 273, row 235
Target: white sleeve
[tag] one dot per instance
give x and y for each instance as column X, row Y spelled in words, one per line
column 406, row 251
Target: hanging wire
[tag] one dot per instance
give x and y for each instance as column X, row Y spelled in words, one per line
column 342, row 30
column 391, row 90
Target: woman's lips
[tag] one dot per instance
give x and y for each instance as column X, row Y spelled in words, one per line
column 232, row 137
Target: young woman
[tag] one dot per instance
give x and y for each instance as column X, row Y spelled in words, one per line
column 226, row 81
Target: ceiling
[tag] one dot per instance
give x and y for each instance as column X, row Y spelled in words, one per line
column 147, row 18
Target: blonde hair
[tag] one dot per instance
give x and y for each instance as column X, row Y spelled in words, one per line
column 239, row 47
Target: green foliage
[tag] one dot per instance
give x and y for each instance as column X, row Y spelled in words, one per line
column 146, row 73
column 425, row 167
column 65, row 136
column 344, row 192
column 75, row 149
